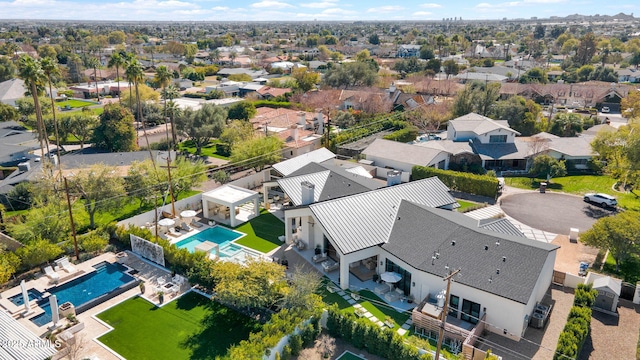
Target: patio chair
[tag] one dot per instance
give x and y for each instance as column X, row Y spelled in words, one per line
column 185, row 227
column 381, row 289
column 392, row 296
column 330, row 265
column 319, row 258
column 66, row 265
column 51, row 274
column 195, row 223
column 173, row 232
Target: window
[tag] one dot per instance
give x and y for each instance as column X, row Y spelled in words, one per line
column 498, row 138
column 405, row 283
column 470, row 311
column 454, row 303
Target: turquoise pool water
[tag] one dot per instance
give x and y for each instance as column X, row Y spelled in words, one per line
column 82, row 290
column 217, row 234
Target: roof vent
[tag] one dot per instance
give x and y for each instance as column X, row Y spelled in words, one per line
column 490, row 280
column 453, row 243
column 498, row 243
column 486, row 247
column 504, row 259
column 497, row 271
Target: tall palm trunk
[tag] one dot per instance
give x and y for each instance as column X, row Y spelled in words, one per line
column 39, row 124
column 118, row 77
column 144, row 127
column 55, row 128
column 95, row 78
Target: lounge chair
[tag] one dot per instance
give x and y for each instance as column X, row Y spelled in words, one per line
column 51, row 274
column 196, row 223
column 319, row 258
column 330, row 265
column 184, row 226
column 381, row 289
column 66, row 265
column 173, row 232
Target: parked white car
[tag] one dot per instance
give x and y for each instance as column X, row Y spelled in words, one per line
column 605, row 109
column 601, row 199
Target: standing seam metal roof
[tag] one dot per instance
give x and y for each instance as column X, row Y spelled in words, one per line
column 363, row 220
column 286, row 167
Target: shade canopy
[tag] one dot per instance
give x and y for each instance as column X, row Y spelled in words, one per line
column 390, row 277
column 188, row 213
column 166, row 222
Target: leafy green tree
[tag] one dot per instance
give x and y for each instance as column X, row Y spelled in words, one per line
column 37, row 252
column 171, row 109
column 566, row 124
column 545, row 165
column 252, row 285
column 117, row 61
column 101, row 188
column 305, row 79
column 450, row 67
column 426, row 52
column 476, row 97
column 8, row 113
column 534, row 75
column 301, row 293
column 143, row 181
column 115, row 131
column 202, row 125
column 236, row 131
column 21, row 196
column 81, row 125
column 93, row 242
column 374, row 39
column 620, row 234
column 7, row 69
column 351, row 74
column 116, row 37
column 520, row 113
column 586, row 49
column 9, row 263
column 45, row 222
column 257, row 152
column 344, row 119
column 242, row 111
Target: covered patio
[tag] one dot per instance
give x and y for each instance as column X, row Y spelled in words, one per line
column 230, row 205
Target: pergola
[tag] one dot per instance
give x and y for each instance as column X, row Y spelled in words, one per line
column 220, row 204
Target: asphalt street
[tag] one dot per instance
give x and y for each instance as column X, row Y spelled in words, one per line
column 553, row 212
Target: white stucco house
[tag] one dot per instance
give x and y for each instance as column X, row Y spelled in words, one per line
column 409, row 229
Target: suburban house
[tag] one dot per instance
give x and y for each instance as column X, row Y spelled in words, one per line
column 12, row 90
column 629, row 75
column 89, row 90
column 301, row 131
column 16, row 144
column 408, row 229
column 478, row 76
column 400, row 156
column 405, row 51
column 587, row 94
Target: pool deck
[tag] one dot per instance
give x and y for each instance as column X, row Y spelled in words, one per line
column 93, row 328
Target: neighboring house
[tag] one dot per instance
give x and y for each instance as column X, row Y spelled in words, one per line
column 16, row 144
column 588, row 94
column 405, row 51
column 367, row 100
column 268, row 92
column 408, row 229
column 629, row 75
column 230, row 88
column 480, row 128
column 400, row 156
column 87, row 91
column 234, row 71
column 477, row 76
column 300, row 131
column 12, row 90
column 289, row 166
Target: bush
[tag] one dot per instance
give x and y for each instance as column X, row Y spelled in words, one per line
column 38, row 252
column 93, row 242
column 407, row 134
column 470, row 183
column 576, row 329
column 272, row 104
column 223, row 149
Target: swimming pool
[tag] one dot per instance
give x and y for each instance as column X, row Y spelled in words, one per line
column 217, row 234
column 33, row 294
column 88, row 290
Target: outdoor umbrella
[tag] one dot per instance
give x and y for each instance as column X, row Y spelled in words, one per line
column 188, row 213
column 390, row 277
column 166, row 222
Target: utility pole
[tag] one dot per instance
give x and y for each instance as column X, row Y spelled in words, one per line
column 73, row 226
column 328, row 130
column 173, row 205
column 444, row 313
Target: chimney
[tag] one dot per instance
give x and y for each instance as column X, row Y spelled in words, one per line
column 320, row 122
column 307, row 193
column 294, row 132
column 393, row 177
column 24, row 166
column 302, row 118
column 392, row 88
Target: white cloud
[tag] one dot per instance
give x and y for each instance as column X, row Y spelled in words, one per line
column 271, row 4
column 422, row 13
column 338, row 11
column 220, row 8
column 320, row 5
column 431, row 6
column 385, row 9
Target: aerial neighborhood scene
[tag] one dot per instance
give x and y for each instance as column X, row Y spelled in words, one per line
column 339, row 179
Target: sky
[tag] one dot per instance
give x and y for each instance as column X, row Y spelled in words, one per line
column 307, row 10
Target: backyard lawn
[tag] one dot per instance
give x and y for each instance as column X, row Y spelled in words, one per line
column 464, row 205
column 74, row 104
column 580, row 185
column 191, row 327
column 208, row 150
column 262, row 232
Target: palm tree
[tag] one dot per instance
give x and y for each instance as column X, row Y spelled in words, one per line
column 171, row 92
column 117, row 61
column 135, row 74
column 94, row 63
column 128, row 58
column 232, row 57
column 163, row 78
column 50, row 68
column 30, row 70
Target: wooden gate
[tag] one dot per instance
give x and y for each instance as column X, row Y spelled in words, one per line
column 558, row 277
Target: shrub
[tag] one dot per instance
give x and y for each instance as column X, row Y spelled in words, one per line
column 295, row 343
column 576, row 329
column 470, row 183
column 93, row 242
column 403, row 135
column 38, row 252
column 223, row 149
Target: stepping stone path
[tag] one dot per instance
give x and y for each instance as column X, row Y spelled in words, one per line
column 401, row 331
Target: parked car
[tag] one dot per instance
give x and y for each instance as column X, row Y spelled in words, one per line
column 601, row 199
column 605, row 109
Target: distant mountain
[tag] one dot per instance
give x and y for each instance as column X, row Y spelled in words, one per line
column 619, row 17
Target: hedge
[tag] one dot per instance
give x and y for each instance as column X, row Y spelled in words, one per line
column 484, row 185
column 405, row 135
column 272, row 104
column 363, row 334
column 576, row 329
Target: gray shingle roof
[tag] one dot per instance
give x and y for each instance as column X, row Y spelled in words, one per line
column 421, row 233
column 406, row 153
column 502, row 226
column 286, row 167
column 479, row 124
column 502, row 151
column 330, row 182
column 364, row 220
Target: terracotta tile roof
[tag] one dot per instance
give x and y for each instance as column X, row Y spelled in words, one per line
column 271, row 91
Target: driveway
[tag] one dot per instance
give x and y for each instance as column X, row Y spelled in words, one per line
column 552, row 212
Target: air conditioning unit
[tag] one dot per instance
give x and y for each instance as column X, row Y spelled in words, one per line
column 537, row 320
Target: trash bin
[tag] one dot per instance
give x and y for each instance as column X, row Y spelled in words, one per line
column 543, row 187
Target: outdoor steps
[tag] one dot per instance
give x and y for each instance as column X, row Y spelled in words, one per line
column 485, row 213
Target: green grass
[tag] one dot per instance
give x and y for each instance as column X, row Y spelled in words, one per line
column 629, row 269
column 191, row 327
column 208, row 150
column 465, row 205
column 380, row 310
column 75, row 104
column 580, row 185
column 262, row 232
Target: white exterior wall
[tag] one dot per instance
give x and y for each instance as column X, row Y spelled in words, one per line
column 459, row 135
column 557, row 155
column 404, row 166
column 484, row 138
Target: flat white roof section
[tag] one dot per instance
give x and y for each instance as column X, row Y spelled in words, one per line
column 18, row 343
